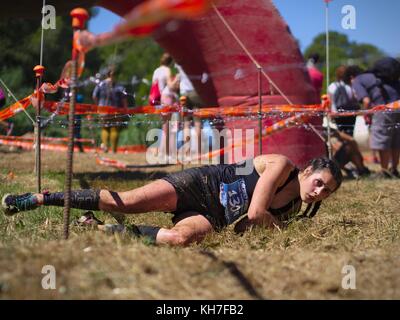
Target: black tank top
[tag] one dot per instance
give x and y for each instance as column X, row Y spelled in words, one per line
column 228, row 175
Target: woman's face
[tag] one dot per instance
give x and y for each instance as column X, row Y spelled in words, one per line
column 316, row 186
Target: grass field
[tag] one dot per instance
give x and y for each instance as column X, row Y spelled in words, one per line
column 358, row 226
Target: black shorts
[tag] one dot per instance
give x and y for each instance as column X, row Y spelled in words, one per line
column 198, row 190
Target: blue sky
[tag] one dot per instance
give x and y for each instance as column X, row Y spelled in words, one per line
column 376, row 21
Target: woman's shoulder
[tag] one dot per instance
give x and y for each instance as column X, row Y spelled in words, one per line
column 275, row 157
column 264, row 161
column 161, row 71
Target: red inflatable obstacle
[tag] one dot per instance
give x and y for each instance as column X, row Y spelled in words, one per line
column 226, row 73
column 222, row 48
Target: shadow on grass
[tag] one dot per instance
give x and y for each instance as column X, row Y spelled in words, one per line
column 235, row 271
column 85, row 177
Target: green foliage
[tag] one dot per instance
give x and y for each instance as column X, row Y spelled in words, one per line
column 342, row 52
column 20, row 52
column 134, row 60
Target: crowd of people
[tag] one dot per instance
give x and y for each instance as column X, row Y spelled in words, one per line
column 170, row 85
column 352, row 90
column 355, row 89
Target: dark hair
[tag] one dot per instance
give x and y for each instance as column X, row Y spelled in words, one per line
column 111, row 71
column 166, row 59
column 351, row 72
column 340, row 71
column 319, row 164
column 314, row 57
column 387, row 69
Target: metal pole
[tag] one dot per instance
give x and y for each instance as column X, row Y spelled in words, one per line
column 167, row 140
column 70, row 152
column 328, row 118
column 38, row 74
column 182, row 123
column 79, row 17
column 260, row 151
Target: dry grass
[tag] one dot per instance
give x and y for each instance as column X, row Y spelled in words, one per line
column 358, row 226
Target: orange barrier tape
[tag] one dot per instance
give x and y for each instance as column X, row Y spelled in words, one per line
column 214, row 111
column 111, row 163
column 85, row 109
column 22, row 138
column 28, row 144
column 388, row 107
column 278, row 126
column 253, row 110
column 145, row 18
column 286, row 123
column 15, row 108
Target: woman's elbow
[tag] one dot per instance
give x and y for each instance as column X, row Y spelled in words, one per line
column 255, row 217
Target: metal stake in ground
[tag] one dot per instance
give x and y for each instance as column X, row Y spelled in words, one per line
column 328, row 117
column 38, row 74
column 79, row 16
column 259, row 110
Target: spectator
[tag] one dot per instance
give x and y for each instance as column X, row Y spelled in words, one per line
column 78, row 124
column 342, row 99
column 189, row 99
column 381, row 86
column 317, row 78
column 109, row 93
column 350, row 74
column 167, row 88
column 65, row 93
column 8, row 126
column 346, row 150
column 2, row 98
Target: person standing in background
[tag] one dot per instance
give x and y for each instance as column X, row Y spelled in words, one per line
column 316, row 76
column 189, row 100
column 167, row 88
column 78, row 125
column 381, row 86
column 342, row 99
column 351, row 73
column 109, row 93
column 8, row 126
column 2, row 98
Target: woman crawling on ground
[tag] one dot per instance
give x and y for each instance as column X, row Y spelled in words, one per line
column 266, row 191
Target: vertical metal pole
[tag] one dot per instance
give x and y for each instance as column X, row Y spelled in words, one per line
column 328, row 118
column 70, row 152
column 181, row 122
column 167, row 140
column 38, row 139
column 260, row 151
column 38, row 74
column 79, row 17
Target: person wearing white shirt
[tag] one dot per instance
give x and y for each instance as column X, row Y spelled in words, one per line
column 348, row 103
column 168, row 87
